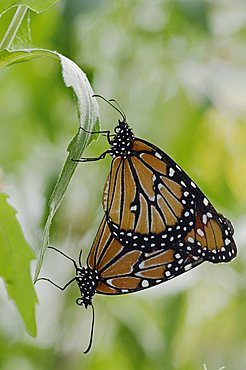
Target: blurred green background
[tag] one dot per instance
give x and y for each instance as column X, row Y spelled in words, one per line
column 178, row 68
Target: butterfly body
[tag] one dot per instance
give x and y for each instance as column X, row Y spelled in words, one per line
column 87, row 281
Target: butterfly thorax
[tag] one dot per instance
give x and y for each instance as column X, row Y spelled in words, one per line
column 121, row 144
column 87, row 281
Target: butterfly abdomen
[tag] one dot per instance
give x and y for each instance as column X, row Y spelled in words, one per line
column 87, row 281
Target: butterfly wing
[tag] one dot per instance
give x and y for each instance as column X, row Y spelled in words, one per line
column 211, row 238
column 124, row 270
column 144, row 195
column 151, row 203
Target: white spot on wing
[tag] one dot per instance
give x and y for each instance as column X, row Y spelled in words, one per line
column 171, row 172
column 158, row 155
column 188, row 267
column 205, row 201
column 200, row 232
column 145, row 283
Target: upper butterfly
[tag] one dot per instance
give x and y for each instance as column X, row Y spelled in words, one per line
column 150, row 203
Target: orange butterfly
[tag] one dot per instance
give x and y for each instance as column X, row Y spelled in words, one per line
column 114, row 269
column 151, row 204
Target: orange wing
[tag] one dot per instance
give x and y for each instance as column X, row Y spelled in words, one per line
column 144, row 195
column 125, row 270
column 151, row 203
column 211, row 239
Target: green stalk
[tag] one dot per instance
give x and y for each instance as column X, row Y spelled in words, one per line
column 13, row 27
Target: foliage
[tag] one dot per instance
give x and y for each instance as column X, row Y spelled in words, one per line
column 89, row 119
column 15, row 256
column 35, row 5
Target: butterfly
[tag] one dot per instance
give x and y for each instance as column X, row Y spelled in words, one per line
column 151, row 204
column 115, row 269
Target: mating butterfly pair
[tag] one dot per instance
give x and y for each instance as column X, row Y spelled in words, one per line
column 157, row 223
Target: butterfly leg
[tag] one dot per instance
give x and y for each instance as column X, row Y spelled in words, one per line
column 107, row 132
column 58, row 286
column 104, row 133
column 102, row 156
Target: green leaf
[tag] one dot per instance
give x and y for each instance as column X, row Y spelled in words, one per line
column 15, row 257
column 8, row 58
column 35, row 5
column 88, row 111
column 89, row 119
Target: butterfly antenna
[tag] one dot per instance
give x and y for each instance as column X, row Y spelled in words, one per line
column 119, row 109
column 92, row 330
column 80, row 258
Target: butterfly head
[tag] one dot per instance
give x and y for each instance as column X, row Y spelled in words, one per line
column 122, row 142
column 87, row 280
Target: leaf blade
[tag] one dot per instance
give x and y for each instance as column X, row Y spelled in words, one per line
column 35, row 5
column 89, row 119
column 15, row 257
column 88, row 109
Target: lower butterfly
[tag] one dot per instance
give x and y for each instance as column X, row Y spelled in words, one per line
column 114, row 269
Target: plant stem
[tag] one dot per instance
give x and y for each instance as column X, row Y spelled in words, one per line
column 13, row 27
